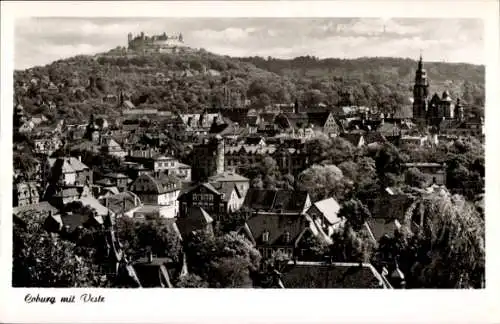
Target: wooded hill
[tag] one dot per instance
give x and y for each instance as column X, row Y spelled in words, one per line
column 193, row 81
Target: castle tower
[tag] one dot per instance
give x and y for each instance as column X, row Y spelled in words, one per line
column 219, row 162
column 420, row 92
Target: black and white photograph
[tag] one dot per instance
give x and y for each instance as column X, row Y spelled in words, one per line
column 183, row 154
column 331, row 153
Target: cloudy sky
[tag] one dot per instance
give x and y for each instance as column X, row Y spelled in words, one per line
column 39, row 41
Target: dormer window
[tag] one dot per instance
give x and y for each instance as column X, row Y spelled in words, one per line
column 265, row 237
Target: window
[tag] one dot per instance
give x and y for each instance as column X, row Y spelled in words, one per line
column 287, row 237
column 289, row 252
column 195, row 197
column 265, row 237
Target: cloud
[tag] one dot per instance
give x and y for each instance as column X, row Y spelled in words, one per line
column 42, row 40
column 230, row 34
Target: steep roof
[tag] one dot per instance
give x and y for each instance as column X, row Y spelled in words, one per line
column 353, row 138
column 334, row 275
column 318, row 118
column 225, row 188
column 380, row 227
column 285, row 201
column 277, row 226
column 69, row 165
column 121, row 202
column 329, row 208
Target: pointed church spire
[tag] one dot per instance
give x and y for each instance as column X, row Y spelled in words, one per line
column 420, row 64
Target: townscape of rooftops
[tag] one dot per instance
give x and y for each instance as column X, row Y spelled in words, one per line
column 240, row 190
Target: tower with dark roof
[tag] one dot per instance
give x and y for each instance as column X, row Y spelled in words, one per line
column 420, row 92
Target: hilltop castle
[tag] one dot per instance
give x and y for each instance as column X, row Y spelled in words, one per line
column 156, row 44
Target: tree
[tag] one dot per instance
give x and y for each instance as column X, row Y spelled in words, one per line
column 415, row 178
column 351, row 246
column 448, row 249
column 191, row 281
column 322, row 182
column 141, row 236
column 317, row 149
column 224, row 261
column 43, row 260
column 355, row 213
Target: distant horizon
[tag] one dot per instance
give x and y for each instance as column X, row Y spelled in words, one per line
column 41, row 41
column 277, row 58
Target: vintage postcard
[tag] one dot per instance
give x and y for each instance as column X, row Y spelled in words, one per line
column 308, row 153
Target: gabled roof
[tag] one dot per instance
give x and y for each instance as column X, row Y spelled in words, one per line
column 331, row 275
column 199, row 214
column 354, row 138
column 121, row 202
column 329, row 208
column 69, row 164
column 128, row 104
column 277, row 227
column 284, row 201
column 318, row 118
column 226, row 188
column 380, row 227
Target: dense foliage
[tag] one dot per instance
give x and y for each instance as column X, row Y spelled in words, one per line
column 43, row 260
column 226, row 261
column 160, row 81
column 140, row 236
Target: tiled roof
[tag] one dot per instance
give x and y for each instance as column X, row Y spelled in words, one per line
column 121, row 202
column 95, row 204
column 152, row 275
column 277, row 226
column 41, row 207
column 75, row 220
column 399, row 204
column 225, row 188
column 329, row 208
column 285, row 201
column 335, row 275
column 380, row 227
column 318, row 118
column 69, row 164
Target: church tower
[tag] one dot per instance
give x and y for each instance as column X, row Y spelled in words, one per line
column 420, row 93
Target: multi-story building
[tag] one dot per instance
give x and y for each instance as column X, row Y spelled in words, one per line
column 67, row 171
column 278, row 222
column 157, row 191
column 218, row 202
column 25, row 193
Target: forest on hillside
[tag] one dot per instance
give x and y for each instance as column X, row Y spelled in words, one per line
column 177, row 82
